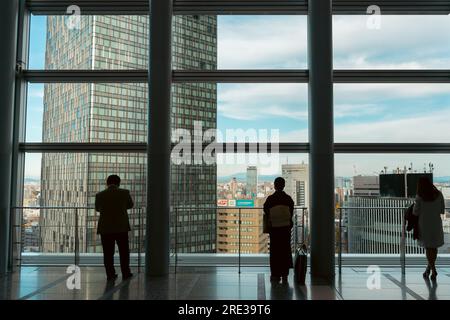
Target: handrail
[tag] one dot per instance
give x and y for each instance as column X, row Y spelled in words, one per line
column 351, row 208
column 51, row 207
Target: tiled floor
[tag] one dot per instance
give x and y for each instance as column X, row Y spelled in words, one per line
column 38, row 283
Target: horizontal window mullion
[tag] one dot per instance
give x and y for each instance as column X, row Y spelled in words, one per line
column 392, row 147
column 82, row 147
column 391, row 76
column 142, row 147
column 238, row 76
column 244, row 147
column 393, row 7
column 181, row 7
column 83, row 76
column 241, row 76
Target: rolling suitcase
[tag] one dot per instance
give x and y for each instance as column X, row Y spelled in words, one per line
column 300, row 264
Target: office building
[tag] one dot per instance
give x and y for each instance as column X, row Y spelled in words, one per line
column 366, row 186
column 253, row 240
column 252, row 182
column 296, row 177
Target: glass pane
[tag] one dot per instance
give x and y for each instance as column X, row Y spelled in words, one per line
column 372, row 192
column 278, row 109
column 84, row 112
column 410, row 113
column 392, row 42
column 244, row 181
column 207, row 199
column 61, row 187
column 262, row 42
column 89, row 42
column 199, row 42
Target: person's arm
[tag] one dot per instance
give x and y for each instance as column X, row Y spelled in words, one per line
column 417, row 206
column 291, row 206
column 291, row 209
column 130, row 203
column 442, row 203
column 97, row 205
column 266, row 206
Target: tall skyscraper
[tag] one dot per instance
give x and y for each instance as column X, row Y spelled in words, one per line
column 252, row 182
column 296, row 176
column 96, row 112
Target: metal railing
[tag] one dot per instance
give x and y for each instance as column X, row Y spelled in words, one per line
column 394, row 217
column 68, row 223
column 233, row 218
column 402, row 231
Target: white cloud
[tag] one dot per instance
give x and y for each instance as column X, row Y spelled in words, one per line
column 403, row 42
column 262, row 42
column 428, row 127
column 262, row 101
column 369, row 93
column 36, row 93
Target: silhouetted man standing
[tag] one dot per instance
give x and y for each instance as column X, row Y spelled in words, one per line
column 113, row 226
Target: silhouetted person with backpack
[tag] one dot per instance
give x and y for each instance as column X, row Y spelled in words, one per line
column 113, row 226
column 280, row 208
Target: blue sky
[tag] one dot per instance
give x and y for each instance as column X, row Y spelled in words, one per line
column 363, row 112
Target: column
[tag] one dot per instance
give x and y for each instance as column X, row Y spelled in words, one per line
column 321, row 158
column 8, row 30
column 159, row 144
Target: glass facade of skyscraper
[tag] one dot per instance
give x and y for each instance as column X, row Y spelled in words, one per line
column 117, row 113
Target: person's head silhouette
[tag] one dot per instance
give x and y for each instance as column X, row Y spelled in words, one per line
column 113, row 180
column 279, row 184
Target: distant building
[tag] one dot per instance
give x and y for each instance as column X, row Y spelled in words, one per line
column 366, row 186
column 393, row 185
column 252, row 182
column 234, row 188
column 375, row 226
column 297, row 177
column 253, row 240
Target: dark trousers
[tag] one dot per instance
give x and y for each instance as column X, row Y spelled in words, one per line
column 109, row 245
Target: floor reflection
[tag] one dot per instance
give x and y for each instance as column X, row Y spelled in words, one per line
column 221, row 283
column 432, row 287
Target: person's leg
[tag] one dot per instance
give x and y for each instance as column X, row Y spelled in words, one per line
column 433, row 257
column 124, row 252
column 108, row 245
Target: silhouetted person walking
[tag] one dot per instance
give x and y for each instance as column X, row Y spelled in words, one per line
column 280, row 208
column 429, row 206
column 113, row 226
